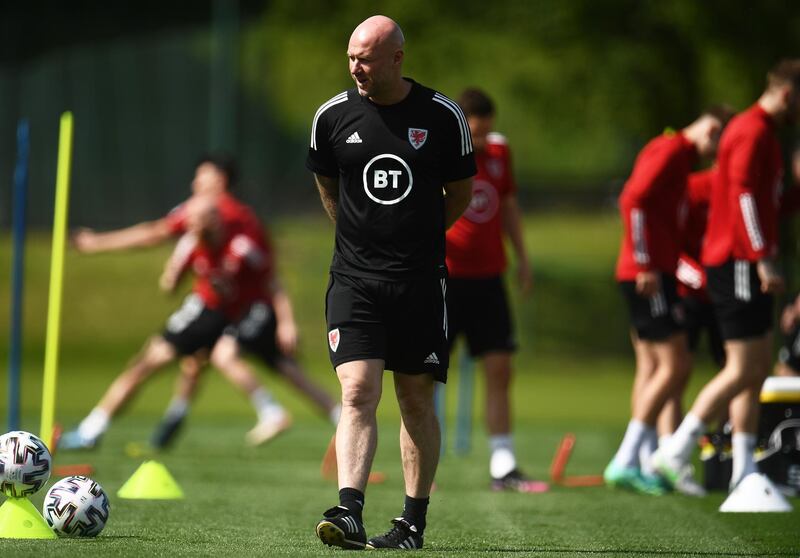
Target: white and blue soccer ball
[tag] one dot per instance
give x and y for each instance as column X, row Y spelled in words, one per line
column 76, row 507
column 24, row 464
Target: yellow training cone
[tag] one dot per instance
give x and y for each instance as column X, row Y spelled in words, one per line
column 151, row 481
column 20, row 520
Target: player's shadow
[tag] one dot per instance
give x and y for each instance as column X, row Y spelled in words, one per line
column 609, row 552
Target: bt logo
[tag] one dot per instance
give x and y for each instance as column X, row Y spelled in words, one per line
column 387, row 179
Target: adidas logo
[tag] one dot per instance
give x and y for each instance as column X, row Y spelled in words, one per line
column 354, row 138
column 432, row 359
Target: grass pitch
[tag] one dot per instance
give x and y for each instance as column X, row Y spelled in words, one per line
column 574, row 373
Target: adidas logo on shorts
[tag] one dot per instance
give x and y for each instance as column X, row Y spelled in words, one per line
column 432, row 359
column 354, row 138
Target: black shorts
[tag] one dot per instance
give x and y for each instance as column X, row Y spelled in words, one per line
column 743, row 311
column 657, row 317
column 478, row 308
column 700, row 316
column 193, row 326
column 789, row 354
column 255, row 333
column 403, row 323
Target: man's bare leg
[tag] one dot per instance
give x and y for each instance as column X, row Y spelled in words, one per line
column 156, row 354
column 667, row 362
column 291, row 370
column 357, row 432
column 356, row 442
column 744, row 410
column 744, row 368
column 272, row 417
column 420, row 443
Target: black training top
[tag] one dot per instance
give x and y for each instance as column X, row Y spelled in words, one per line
column 392, row 162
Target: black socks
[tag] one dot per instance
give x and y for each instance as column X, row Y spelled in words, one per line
column 414, row 511
column 353, row 500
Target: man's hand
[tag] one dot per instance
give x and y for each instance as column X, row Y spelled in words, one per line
column 85, row 240
column 524, row 278
column 286, row 337
column 647, row 283
column 788, row 319
column 771, row 280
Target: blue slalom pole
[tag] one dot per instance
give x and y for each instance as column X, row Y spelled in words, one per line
column 441, row 414
column 20, row 204
column 466, row 382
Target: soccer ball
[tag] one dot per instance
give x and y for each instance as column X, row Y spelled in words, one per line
column 24, row 464
column 76, row 507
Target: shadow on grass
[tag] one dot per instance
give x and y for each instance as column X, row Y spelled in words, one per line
column 611, row 551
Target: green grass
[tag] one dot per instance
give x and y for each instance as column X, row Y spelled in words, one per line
column 574, row 373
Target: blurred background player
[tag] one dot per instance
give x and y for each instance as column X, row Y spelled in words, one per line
column 255, row 332
column 648, row 258
column 739, row 255
column 477, row 305
column 789, row 355
column 216, row 174
column 225, row 274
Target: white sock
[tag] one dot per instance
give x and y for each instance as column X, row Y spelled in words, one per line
column 335, row 414
column 94, row 425
column 178, row 408
column 744, row 463
column 266, row 407
column 681, row 444
column 628, row 452
column 502, row 460
column 646, row 450
column 662, row 440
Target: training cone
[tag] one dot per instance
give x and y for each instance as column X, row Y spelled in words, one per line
column 151, row 481
column 20, row 520
column 756, row 493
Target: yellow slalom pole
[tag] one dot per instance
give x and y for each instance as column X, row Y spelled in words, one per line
column 56, row 279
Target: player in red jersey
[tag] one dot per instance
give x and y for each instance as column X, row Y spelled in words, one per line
column 477, row 304
column 646, row 267
column 259, row 310
column 697, row 309
column 228, row 272
column 739, row 256
column 789, row 355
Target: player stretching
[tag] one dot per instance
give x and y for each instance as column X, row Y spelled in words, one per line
column 739, row 255
column 476, row 298
column 392, row 161
column 215, row 175
column 648, row 257
column 225, row 275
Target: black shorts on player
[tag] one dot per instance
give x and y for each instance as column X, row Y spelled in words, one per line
column 402, row 322
column 700, row 317
column 789, row 354
column 255, row 333
column 478, row 308
column 193, row 326
column 657, row 317
column 743, row 311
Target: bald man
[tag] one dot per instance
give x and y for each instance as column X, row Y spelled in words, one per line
column 393, row 163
